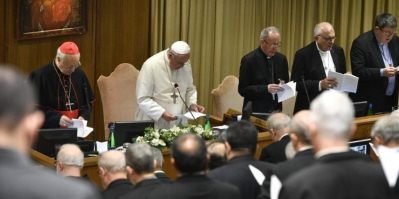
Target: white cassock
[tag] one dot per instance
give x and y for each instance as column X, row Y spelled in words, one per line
column 155, row 87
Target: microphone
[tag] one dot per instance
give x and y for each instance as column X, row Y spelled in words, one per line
column 185, row 104
column 306, row 89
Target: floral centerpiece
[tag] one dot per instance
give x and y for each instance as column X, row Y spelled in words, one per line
column 164, row 137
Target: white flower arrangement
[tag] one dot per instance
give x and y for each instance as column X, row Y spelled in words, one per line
column 164, row 137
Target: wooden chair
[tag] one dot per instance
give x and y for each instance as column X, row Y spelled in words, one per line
column 118, row 95
column 226, row 96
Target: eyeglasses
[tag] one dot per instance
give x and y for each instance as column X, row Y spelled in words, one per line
column 328, row 38
column 273, row 45
column 387, row 33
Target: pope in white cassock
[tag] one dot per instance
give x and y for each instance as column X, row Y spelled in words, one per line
column 164, row 80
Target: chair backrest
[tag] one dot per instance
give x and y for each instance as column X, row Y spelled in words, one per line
column 226, row 96
column 118, row 95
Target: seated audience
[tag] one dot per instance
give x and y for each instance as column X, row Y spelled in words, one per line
column 19, row 124
column 337, row 171
column 140, row 170
column 158, row 166
column 216, row 154
column 278, row 126
column 70, row 160
column 299, row 131
column 385, row 133
column 113, row 175
column 241, row 139
column 190, row 160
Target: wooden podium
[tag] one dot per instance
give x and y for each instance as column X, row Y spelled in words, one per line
column 364, row 125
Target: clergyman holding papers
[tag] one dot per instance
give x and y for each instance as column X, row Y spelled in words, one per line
column 164, row 85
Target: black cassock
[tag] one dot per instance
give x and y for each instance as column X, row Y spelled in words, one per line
column 58, row 92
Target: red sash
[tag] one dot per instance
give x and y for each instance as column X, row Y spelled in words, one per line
column 73, row 114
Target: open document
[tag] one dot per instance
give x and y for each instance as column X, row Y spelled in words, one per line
column 288, row 92
column 195, row 114
column 346, row 82
column 81, row 125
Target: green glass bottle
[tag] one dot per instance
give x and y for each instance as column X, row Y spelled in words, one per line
column 207, row 126
column 370, row 110
column 111, row 137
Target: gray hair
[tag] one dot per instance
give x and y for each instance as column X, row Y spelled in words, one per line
column 264, row 34
column 113, row 161
column 139, row 156
column 158, row 157
column 385, row 20
column 70, row 154
column 333, row 114
column 387, row 128
column 278, row 121
column 299, row 127
column 322, row 27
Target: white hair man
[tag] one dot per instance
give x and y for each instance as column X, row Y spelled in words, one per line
column 70, row 160
column 165, row 86
column 113, row 174
column 337, row 172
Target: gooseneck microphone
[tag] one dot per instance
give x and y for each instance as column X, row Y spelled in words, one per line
column 306, row 89
column 184, row 101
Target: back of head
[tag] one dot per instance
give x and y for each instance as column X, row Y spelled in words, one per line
column 158, row 157
column 70, row 155
column 385, row 20
column 387, row 130
column 189, row 154
column 17, row 98
column 300, row 126
column 242, row 136
column 333, row 114
column 113, row 161
column 139, row 156
column 278, row 122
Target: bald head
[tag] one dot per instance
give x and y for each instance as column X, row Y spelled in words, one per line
column 70, row 154
column 323, row 27
column 300, row 127
column 189, row 153
column 112, row 161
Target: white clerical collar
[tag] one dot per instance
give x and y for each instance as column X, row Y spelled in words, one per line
column 331, row 150
column 321, row 51
column 391, row 168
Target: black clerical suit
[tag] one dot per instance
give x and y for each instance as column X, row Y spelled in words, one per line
column 195, row 186
column 275, row 152
column 337, row 175
column 366, row 62
column 256, row 72
column 302, row 159
column 143, row 189
column 308, row 67
column 117, row 188
column 49, row 83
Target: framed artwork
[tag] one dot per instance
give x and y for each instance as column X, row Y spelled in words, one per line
column 48, row 18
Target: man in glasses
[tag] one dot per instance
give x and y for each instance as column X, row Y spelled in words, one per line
column 374, row 58
column 312, row 63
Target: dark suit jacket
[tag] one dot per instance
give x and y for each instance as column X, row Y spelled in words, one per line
column 22, row 179
column 308, row 67
column 340, row 175
column 301, row 160
column 143, row 189
column 117, row 188
column 275, row 152
column 195, row 186
column 255, row 74
column 162, row 177
column 236, row 172
column 366, row 60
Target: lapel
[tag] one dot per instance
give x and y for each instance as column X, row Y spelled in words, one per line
column 376, row 50
column 392, row 50
column 335, row 58
column 318, row 64
column 262, row 65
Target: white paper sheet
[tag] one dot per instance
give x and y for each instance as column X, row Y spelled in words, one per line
column 346, row 82
column 195, row 114
column 288, row 92
column 81, row 126
column 102, row 146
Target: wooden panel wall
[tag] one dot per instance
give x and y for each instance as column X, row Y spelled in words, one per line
column 117, row 31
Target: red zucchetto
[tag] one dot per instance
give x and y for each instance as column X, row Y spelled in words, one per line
column 69, row 48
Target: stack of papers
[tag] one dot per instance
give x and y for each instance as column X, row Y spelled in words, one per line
column 81, row 126
column 288, row 92
column 195, row 114
column 346, row 82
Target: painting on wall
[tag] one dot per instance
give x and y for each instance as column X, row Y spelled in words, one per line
column 48, row 18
